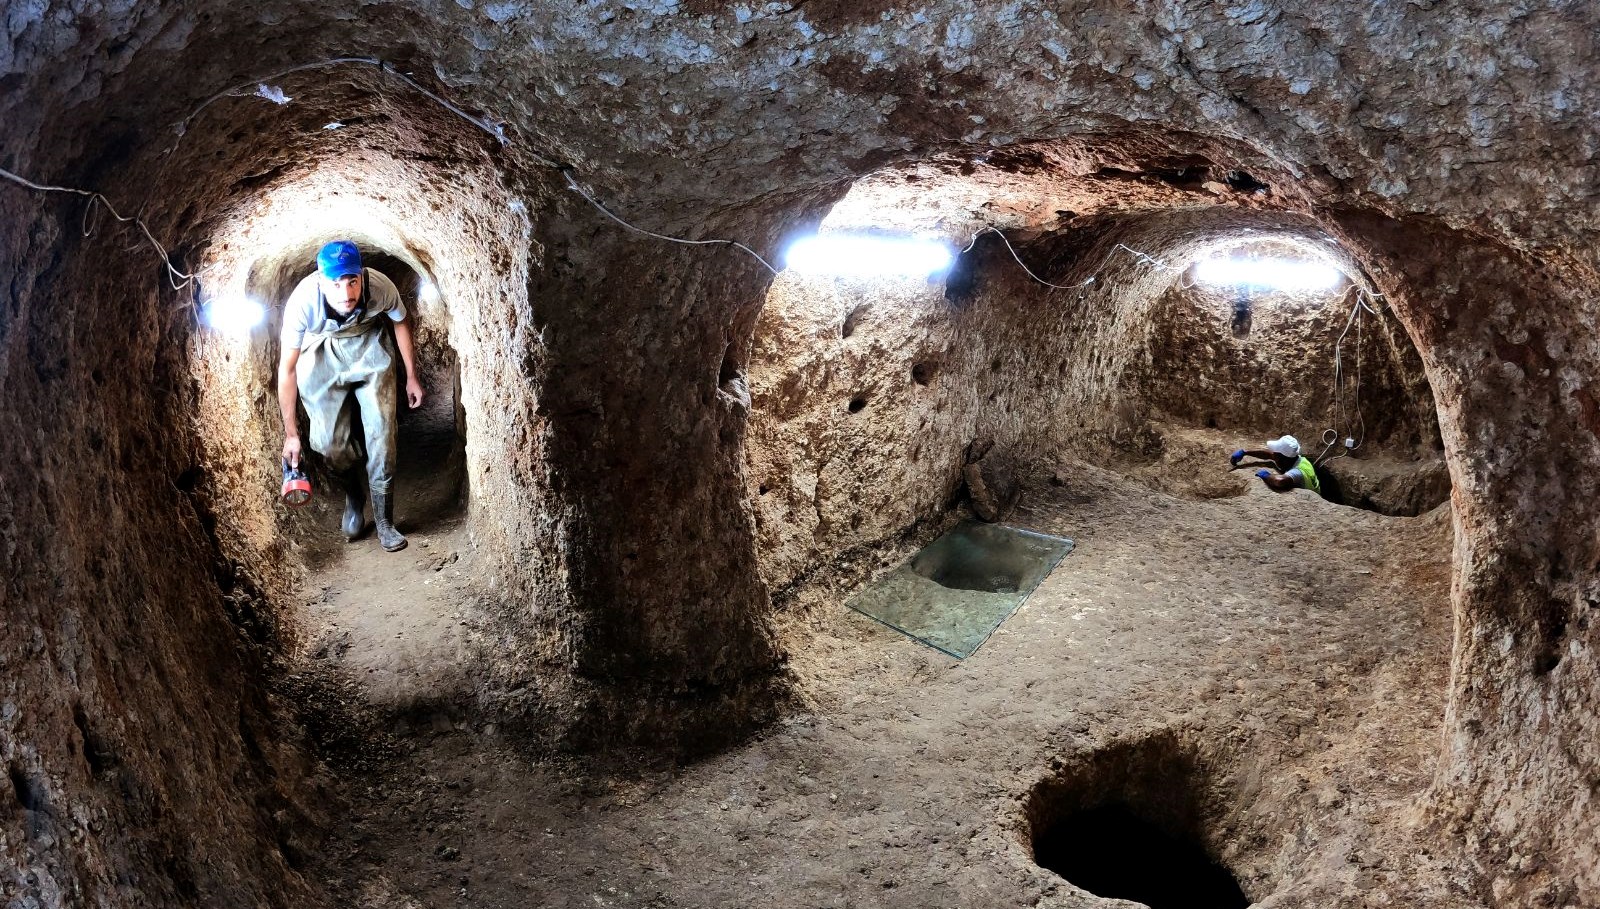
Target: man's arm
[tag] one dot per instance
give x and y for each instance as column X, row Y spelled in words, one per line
column 288, row 397
column 402, row 340
column 1277, row 481
column 1241, row 454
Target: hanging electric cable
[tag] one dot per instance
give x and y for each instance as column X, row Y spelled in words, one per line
column 174, row 274
column 1353, row 436
column 263, row 87
column 1140, row 257
column 573, row 185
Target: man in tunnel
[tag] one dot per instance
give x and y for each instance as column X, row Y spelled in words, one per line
column 1293, row 470
column 338, row 358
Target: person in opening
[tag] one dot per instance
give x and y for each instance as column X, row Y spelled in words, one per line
column 1293, row 470
column 338, row 359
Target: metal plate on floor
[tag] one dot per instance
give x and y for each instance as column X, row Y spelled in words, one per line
column 958, row 589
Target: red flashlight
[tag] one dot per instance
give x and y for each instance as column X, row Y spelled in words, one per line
column 296, row 486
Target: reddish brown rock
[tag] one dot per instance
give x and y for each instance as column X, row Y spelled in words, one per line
column 672, row 458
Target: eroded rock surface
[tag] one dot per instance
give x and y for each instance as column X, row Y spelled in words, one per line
column 668, row 470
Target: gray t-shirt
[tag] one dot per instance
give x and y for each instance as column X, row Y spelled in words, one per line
column 306, row 316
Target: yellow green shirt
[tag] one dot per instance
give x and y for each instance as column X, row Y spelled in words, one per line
column 1305, row 474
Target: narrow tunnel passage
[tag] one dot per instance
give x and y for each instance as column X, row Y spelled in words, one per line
column 375, row 617
column 430, row 482
column 385, row 636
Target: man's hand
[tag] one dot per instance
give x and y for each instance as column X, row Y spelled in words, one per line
column 291, row 450
column 1264, row 474
column 1236, row 457
column 408, row 356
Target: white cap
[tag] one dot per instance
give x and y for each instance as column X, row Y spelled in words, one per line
column 1288, row 446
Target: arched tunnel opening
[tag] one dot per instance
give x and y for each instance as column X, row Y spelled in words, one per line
column 430, row 480
column 1121, row 324
column 659, row 455
column 446, row 247
column 1305, row 351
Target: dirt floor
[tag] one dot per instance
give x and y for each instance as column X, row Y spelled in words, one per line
column 1293, row 651
column 393, row 623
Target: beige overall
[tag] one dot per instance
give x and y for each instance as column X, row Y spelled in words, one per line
column 343, row 370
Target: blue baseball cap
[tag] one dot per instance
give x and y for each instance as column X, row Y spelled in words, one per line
column 338, row 259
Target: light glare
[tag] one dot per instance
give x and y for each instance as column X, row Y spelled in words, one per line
column 233, row 315
column 428, row 292
column 1268, row 273
column 867, row 255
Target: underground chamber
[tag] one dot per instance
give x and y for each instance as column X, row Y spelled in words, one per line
column 1284, row 334
column 1097, row 355
column 612, row 431
column 1152, row 341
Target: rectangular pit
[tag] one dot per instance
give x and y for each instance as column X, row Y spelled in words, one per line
column 957, row 590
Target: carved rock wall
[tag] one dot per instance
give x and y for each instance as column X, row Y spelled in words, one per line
column 145, row 759
column 1447, row 144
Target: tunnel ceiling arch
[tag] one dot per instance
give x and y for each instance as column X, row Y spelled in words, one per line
column 598, row 58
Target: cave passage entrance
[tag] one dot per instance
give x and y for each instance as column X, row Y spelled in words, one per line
column 393, row 620
column 430, row 481
column 1261, row 337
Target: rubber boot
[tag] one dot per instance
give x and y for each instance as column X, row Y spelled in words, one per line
column 355, row 502
column 383, row 517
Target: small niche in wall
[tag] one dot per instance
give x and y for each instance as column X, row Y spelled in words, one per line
column 729, row 374
column 1241, row 315
column 852, row 319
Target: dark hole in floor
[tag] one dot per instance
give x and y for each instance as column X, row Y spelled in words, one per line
column 858, row 403
column 1111, row 852
column 989, row 558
